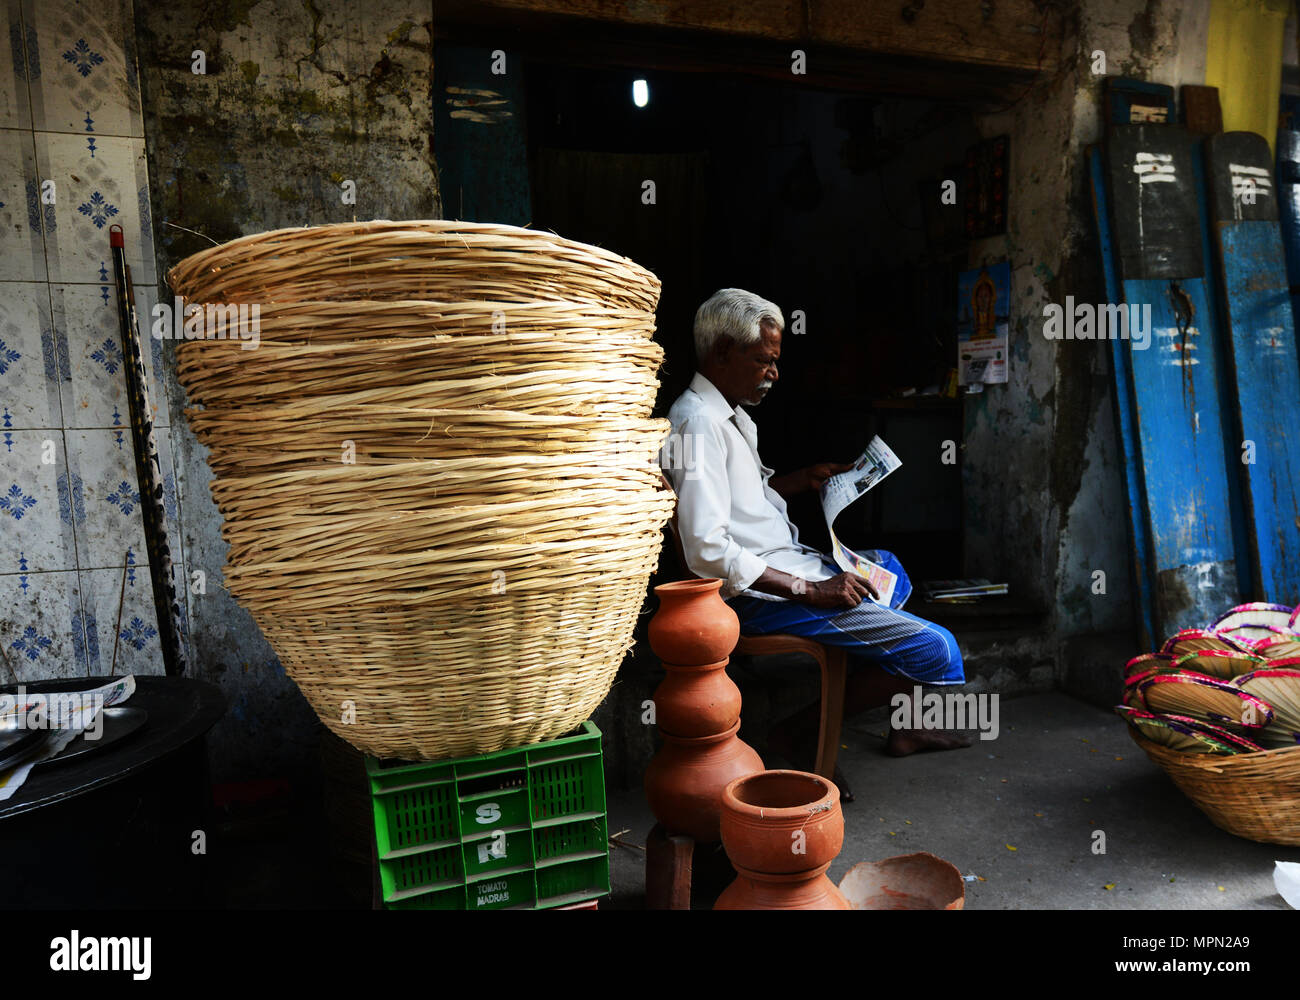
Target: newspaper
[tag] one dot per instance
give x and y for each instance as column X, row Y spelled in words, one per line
column 66, row 714
column 845, row 488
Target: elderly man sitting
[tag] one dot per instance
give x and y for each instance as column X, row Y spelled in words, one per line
column 732, row 521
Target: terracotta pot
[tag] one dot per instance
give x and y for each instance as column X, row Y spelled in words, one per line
column 908, row 882
column 810, row 890
column 693, row 625
column 778, row 822
column 697, row 701
column 684, row 782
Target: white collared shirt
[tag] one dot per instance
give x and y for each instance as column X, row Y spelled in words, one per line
column 732, row 524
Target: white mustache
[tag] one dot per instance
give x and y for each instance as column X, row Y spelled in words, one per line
column 765, row 384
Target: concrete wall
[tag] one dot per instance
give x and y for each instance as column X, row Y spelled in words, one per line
column 1043, row 479
column 296, row 98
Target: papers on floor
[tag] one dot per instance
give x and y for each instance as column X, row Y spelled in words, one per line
column 65, row 714
column 846, row 488
column 960, row 591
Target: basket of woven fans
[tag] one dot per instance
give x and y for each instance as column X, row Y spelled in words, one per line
column 1219, row 709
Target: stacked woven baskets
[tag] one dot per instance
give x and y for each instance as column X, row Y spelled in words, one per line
column 437, row 471
column 1219, row 709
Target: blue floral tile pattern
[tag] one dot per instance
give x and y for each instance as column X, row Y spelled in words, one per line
column 137, row 633
column 89, row 56
column 124, row 498
column 32, row 644
column 40, row 632
column 98, row 209
column 109, row 355
column 16, row 503
column 82, row 58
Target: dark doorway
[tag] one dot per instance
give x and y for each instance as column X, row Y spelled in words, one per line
column 811, row 199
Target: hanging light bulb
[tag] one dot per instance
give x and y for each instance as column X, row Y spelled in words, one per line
column 640, row 93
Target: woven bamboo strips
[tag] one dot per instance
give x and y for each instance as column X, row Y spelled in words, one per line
column 436, row 468
column 348, row 322
column 432, row 260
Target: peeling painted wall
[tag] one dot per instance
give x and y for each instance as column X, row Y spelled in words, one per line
column 297, row 98
column 1046, row 507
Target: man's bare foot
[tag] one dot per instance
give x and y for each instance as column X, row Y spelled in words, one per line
column 902, row 742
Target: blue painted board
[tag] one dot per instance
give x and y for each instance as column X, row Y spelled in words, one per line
column 1288, row 204
column 1173, row 375
column 1262, row 344
column 1228, row 420
column 1126, row 420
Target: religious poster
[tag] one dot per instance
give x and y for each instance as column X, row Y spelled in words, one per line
column 983, row 322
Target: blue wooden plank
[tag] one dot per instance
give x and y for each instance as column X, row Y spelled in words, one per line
column 1268, row 393
column 1261, row 341
column 1228, row 419
column 1288, row 203
column 1176, row 386
column 1126, row 419
column 1175, row 375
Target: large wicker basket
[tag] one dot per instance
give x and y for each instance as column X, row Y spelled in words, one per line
column 1252, row 795
column 437, row 471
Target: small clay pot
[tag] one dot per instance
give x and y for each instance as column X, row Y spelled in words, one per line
column 693, row 625
column 810, row 890
column 697, row 701
column 684, row 782
column 778, row 822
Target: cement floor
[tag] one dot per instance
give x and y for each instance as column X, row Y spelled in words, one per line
column 1019, row 811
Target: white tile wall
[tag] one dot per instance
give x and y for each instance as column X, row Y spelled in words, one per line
column 72, row 165
column 87, row 80
column 22, row 250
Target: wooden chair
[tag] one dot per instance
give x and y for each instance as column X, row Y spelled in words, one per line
column 832, row 660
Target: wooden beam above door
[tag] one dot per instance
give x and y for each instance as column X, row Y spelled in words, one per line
column 850, row 45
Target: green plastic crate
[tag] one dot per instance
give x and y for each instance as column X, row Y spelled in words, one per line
column 515, row 829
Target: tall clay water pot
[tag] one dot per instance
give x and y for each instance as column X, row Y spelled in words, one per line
column 781, row 830
column 693, row 625
column 810, row 890
column 697, row 701
column 779, row 822
column 684, row 782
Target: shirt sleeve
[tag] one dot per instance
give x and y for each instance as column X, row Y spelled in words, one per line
column 695, row 462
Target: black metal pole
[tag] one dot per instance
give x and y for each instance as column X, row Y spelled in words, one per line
column 148, row 469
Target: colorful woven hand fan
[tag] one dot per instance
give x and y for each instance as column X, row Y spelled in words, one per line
column 1279, row 647
column 1194, row 640
column 1146, row 663
column 1280, row 688
column 1240, row 744
column 1257, row 633
column 1177, row 735
column 1205, row 698
column 1132, row 696
column 1219, row 663
column 1257, row 615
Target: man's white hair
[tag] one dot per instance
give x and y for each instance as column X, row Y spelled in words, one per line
column 734, row 313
